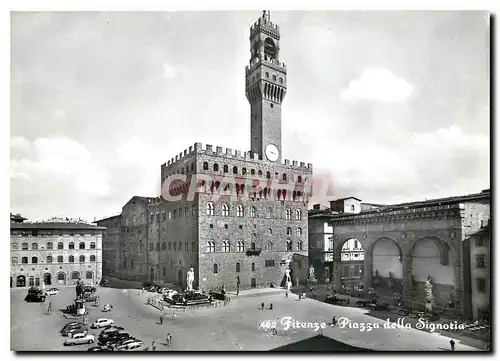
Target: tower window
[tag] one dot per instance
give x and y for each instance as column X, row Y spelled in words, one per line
column 281, row 80
column 235, row 170
column 274, row 77
column 252, row 171
column 267, row 74
column 272, row 105
column 226, row 168
column 205, row 165
column 216, row 167
column 268, row 175
column 260, row 173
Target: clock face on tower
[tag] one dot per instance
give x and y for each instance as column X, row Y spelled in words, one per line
column 272, row 152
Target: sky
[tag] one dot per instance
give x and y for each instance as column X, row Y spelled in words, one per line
column 389, row 107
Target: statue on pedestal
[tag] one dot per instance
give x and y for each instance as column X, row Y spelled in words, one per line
column 390, row 283
column 190, row 279
column 429, row 294
column 312, row 275
column 288, row 281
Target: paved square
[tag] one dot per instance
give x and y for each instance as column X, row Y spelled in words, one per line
column 233, row 327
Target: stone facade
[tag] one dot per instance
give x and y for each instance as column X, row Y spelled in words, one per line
column 427, row 238
column 111, row 245
column 55, row 254
column 225, row 213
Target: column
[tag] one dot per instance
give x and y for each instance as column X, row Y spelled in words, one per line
column 337, row 272
column 368, row 272
column 407, row 279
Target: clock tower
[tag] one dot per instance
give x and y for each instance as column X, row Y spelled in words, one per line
column 265, row 88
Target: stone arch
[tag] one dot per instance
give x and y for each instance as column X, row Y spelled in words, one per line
column 340, row 243
column 442, row 246
column 387, row 257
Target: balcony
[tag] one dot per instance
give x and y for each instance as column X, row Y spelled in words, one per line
column 253, row 251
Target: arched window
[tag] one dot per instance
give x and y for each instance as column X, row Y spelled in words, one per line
column 225, row 210
column 71, row 245
column 210, row 209
column 82, row 258
column 61, row 276
column 186, row 211
column 13, row 261
column 298, row 214
column 175, row 246
column 81, row 245
column 252, row 171
column 267, row 74
column 226, row 246
column 157, row 246
column 14, row 246
column 244, row 171
column 216, row 268
column 169, row 246
column 238, row 267
column 288, row 245
column 186, row 247
column 299, row 179
column 226, row 168
column 216, row 167
column 71, row 259
column 288, row 214
column 205, row 165
column 235, row 170
column 92, row 258
column 300, row 245
column 259, row 173
column 49, row 245
column 60, row 245
column 141, row 246
column 253, row 212
column 49, row 259
column 34, row 246
column 284, row 176
column 92, row 245
column 193, row 210
column 288, row 231
column 253, row 267
column 210, row 246
column 164, row 246
column 241, row 246
column 239, row 211
column 193, row 246
column 269, row 212
column 60, row 259
column 164, row 271
column 89, row 275
column 268, row 175
column 269, row 231
column 180, row 246
column 353, row 208
column 75, row 275
column 151, row 247
column 24, row 246
column 24, row 260
column 34, row 260
column 269, row 246
column 252, row 246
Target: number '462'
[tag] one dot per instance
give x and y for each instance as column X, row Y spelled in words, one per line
column 267, row 324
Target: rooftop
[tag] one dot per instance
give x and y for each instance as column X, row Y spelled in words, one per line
column 55, row 225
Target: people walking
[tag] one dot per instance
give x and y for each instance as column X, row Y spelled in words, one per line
column 169, row 340
column 286, row 294
column 153, row 346
column 452, row 345
column 49, row 309
column 161, row 319
column 270, row 306
column 262, row 305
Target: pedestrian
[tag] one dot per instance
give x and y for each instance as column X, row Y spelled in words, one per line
column 49, row 309
column 452, row 345
column 334, row 320
column 169, row 340
column 262, row 305
column 161, row 319
column 153, row 346
column 286, row 293
column 270, row 306
column 300, row 296
column 173, row 314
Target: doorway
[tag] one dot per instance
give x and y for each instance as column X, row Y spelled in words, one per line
column 253, row 283
column 47, row 279
column 21, row 281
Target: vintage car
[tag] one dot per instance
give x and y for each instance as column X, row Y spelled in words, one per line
column 334, row 300
column 379, row 305
column 79, row 338
column 102, row 322
column 35, row 295
column 70, row 325
column 90, row 289
column 74, row 329
column 134, row 346
column 98, row 349
column 52, row 291
column 363, row 303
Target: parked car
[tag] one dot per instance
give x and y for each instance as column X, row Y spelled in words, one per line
column 117, row 337
column 52, row 291
column 90, row 289
column 119, row 328
column 335, row 300
column 98, row 349
column 379, row 305
column 35, row 295
column 70, row 325
column 79, row 339
column 363, row 303
column 134, row 346
column 125, row 344
column 403, row 311
column 107, row 335
column 122, row 343
column 72, row 330
column 102, row 322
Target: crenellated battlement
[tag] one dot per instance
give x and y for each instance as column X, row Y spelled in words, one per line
column 266, row 26
column 229, row 152
column 155, row 200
